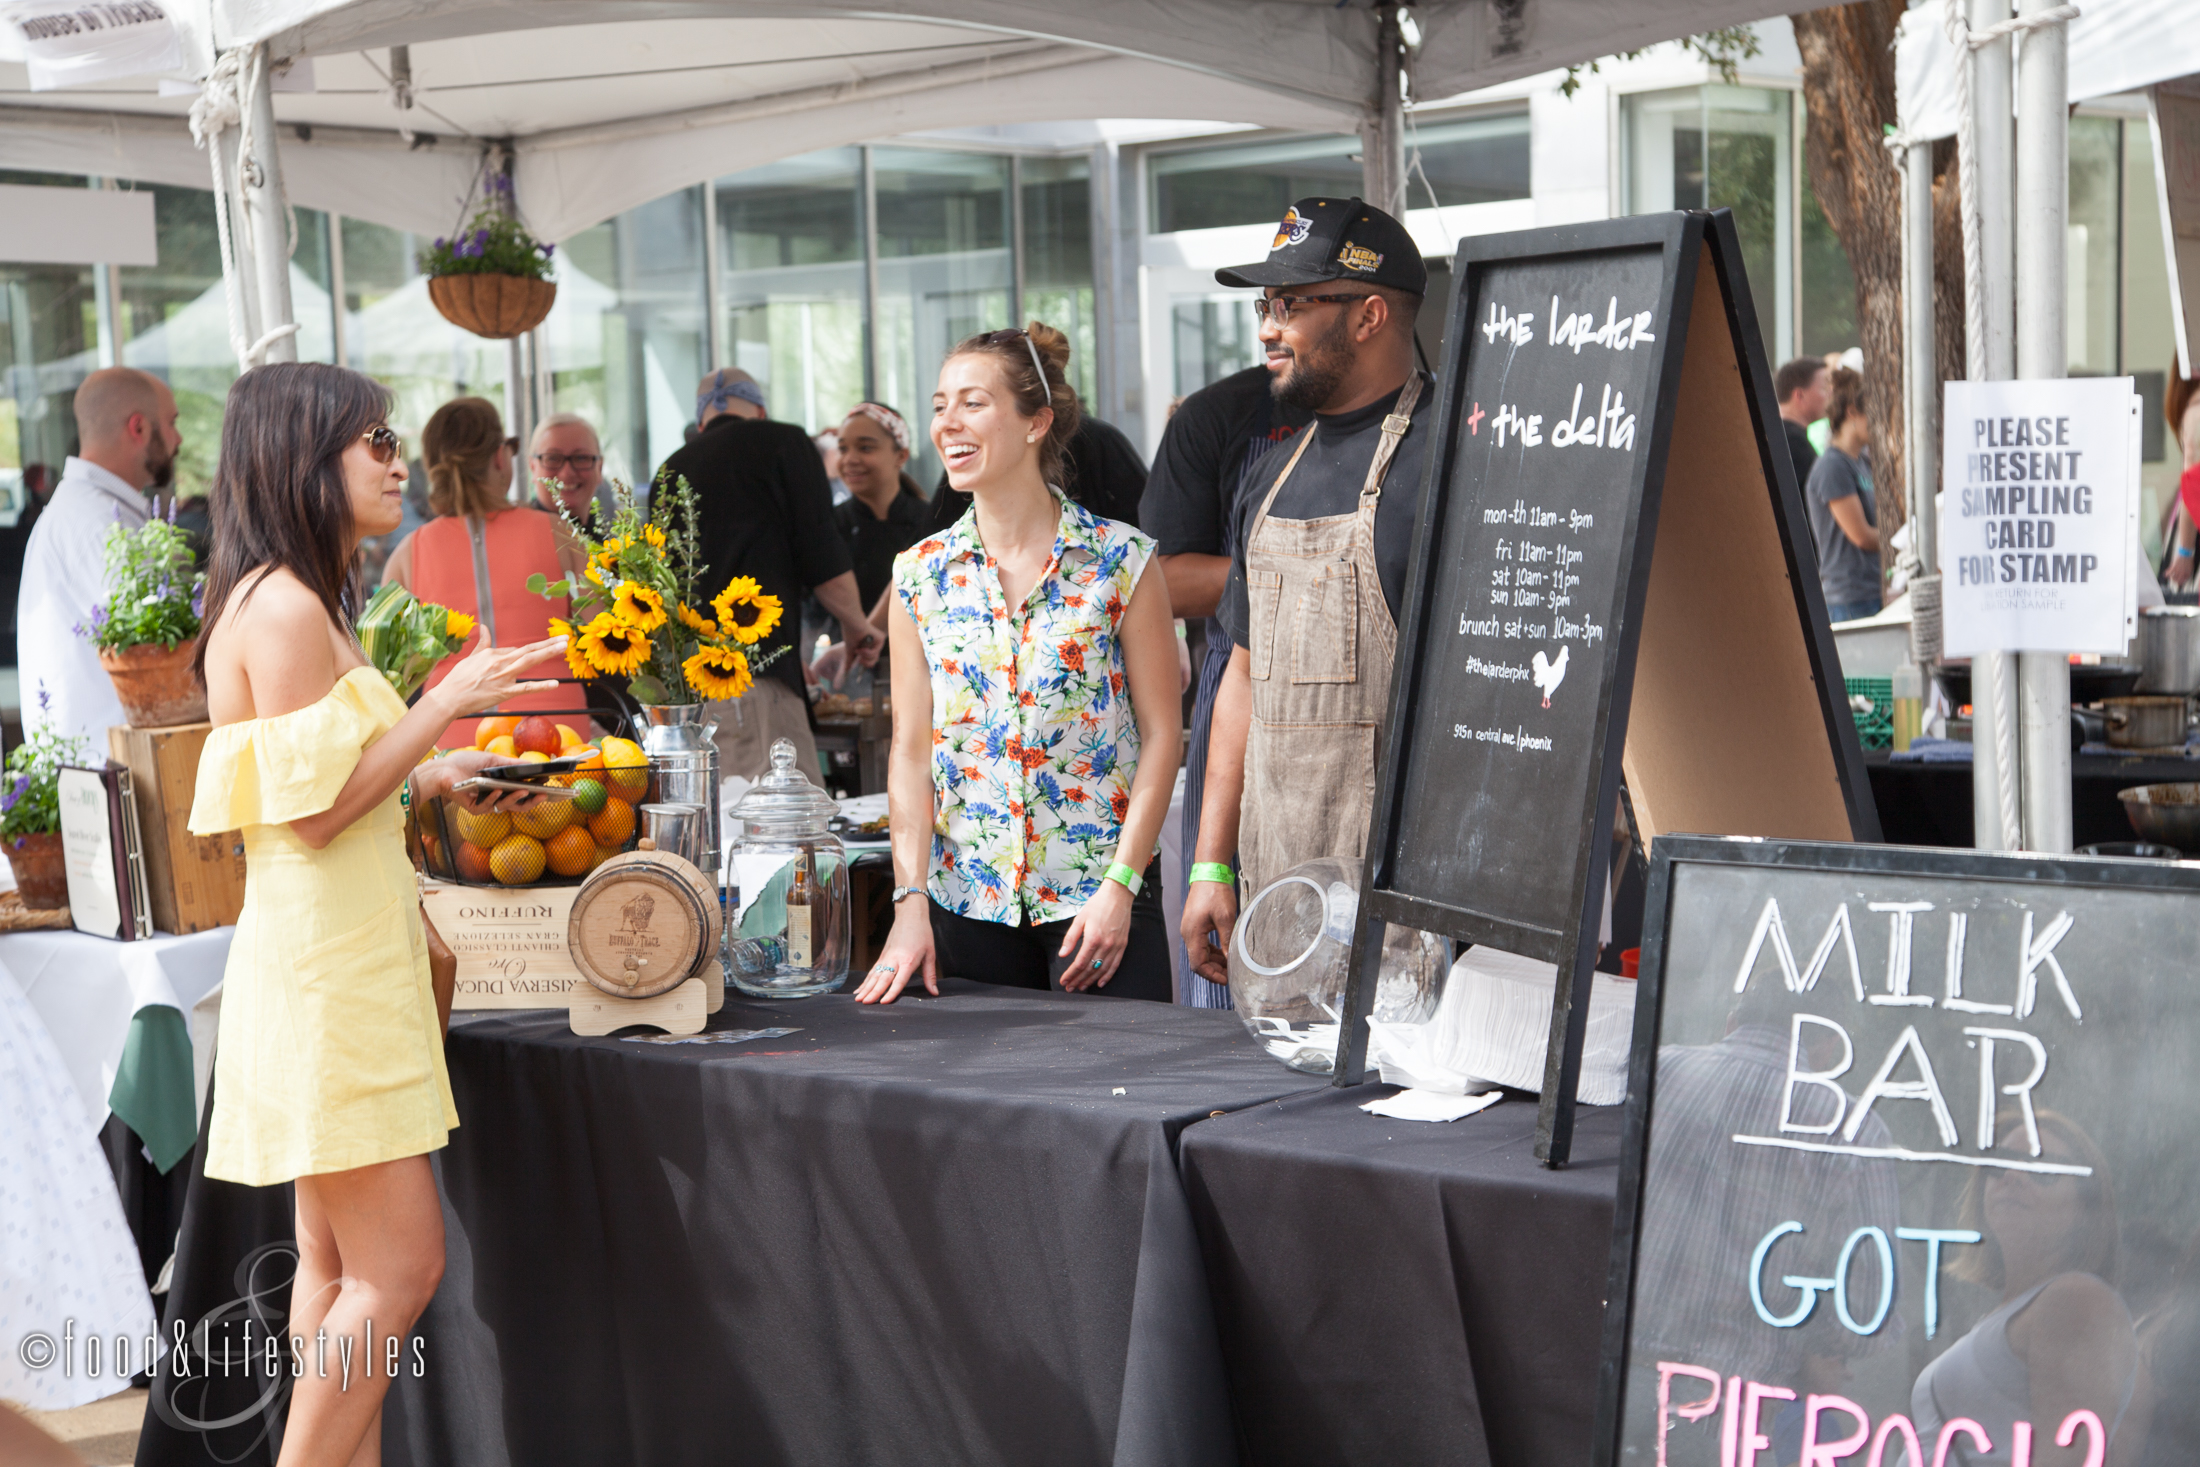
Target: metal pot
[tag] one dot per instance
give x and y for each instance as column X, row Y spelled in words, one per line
column 2145, row 723
column 2166, row 814
column 2169, row 649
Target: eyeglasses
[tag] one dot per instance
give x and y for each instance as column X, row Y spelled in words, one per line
column 385, row 445
column 1278, row 308
column 554, row 462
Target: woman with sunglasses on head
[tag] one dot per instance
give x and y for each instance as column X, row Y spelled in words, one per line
column 477, row 555
column 330, row 1071
column 1036, row 707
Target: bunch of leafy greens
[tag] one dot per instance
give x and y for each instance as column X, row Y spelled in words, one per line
column 405, row 638
column 153, row 594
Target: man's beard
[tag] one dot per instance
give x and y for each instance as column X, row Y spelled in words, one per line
column 1315, row 374
column 160, row 463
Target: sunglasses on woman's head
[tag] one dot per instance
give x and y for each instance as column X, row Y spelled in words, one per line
column 384, row 444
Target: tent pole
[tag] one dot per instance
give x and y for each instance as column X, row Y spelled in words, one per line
column 267, row 213
column 1383, row 132
column 2043, row 198
column 1921, row 402
column 1995, row 751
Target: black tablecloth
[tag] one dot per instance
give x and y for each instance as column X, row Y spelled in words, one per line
column 1930, row 804
column 927, row 1233
column 1394, row 1292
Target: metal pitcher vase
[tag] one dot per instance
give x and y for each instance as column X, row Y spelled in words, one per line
column 683, row 760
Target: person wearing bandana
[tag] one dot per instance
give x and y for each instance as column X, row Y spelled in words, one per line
column 1320, row 543
column 885, row 512
column 765, row 510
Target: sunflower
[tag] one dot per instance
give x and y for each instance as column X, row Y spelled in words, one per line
column 457, row 625
column 613, row 646
column 654, row 536
column 639, row 606
column 574, row 657
column 607, row 554
column 718, row 672
column 695, row 621
column 745, row 612
column 595, row 573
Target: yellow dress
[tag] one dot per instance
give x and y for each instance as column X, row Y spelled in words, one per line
column 330, row 1055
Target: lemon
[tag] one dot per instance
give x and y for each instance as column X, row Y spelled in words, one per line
column 517, row 860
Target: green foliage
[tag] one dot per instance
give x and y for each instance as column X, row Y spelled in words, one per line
column 1723, row 49
column 153, row 596
column 405, row 638
column 31, row 802
column 496, row 243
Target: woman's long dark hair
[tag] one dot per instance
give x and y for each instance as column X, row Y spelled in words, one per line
column 279, row 498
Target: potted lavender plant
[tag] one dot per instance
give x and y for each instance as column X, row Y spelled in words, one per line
column 30, row 812
column 147, row 630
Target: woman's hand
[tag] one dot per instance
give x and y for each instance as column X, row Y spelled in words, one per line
column 438, row 777
column 908, row 952
column 489, row 675
column 1097, row 938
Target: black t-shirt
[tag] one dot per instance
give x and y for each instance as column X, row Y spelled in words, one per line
column 1104, row 471
column 765, row 509
column 873, row 542
column 1217, row 434
column 1327, row 482
column 1799, row 449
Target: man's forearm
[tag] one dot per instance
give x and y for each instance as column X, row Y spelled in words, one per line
column 838, row 597
column 1227, row 731
column 1195, row 583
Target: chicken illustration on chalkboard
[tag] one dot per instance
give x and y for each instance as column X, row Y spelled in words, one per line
column 1548, row 673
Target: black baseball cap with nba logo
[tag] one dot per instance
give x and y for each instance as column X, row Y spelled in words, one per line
column 1336, row 239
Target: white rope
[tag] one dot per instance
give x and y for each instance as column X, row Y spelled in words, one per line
column 222, row 104
column 1965, row 40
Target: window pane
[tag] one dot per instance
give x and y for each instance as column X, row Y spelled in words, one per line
column 1058, row 257
column 626, row 341
column 1476, row 161
column 1829, row 286
column 1213, row 336
column 2096, row 177
column 943, row 271
column 790, row 242
column 49, row 342
column 394, row 333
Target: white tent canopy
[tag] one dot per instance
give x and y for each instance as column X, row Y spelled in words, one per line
column 608, row 103
column 2115, row 46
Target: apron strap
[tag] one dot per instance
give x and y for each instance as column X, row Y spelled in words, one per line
column 1306, row 437
column 1394, row 429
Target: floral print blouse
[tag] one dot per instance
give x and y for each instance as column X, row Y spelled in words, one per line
column 1033, row 742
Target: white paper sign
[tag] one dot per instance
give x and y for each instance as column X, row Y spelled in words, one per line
column 2039, row 527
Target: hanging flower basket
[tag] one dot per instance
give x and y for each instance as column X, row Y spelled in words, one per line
column 493, row 277
column 495, row 306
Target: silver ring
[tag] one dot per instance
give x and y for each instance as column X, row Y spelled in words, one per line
column 885, row 968
column 1097, row 965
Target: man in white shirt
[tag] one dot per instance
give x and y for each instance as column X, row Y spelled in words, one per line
column 126, row 426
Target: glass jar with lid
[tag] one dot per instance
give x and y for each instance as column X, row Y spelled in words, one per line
column 789, row 933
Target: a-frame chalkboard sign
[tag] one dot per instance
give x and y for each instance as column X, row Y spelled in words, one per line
column 1612, row 569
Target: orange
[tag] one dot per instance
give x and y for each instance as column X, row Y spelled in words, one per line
column 544, row 820
column 492, row 728
column 517, row 860
column 501, row 746
column 483, row 828
column 629, row 766
column 473, row 863
column 613, row 825
column 590, row 756
column 572, row 851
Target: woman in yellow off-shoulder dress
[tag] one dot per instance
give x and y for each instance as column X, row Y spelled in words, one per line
column 329, row 1070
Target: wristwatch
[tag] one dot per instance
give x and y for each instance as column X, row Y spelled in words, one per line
column 903, row 891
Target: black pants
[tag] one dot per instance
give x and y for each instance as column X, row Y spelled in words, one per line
column 1024, row 956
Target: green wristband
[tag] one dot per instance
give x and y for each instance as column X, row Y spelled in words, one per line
column 1214, row 871
column 1124, row 877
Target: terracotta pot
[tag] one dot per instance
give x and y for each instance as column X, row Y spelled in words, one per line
column 41, row 876
column 495, row 306
column 156, row 685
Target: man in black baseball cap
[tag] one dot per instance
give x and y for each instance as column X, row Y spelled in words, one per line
column 1318, row 561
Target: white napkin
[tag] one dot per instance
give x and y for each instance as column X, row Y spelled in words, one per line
column 1430, row 1105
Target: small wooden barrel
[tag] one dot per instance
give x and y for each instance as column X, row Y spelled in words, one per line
column 643, row 923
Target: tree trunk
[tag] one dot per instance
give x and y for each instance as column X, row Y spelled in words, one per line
column 1848, row 93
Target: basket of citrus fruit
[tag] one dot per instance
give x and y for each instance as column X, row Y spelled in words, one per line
column 555, row 841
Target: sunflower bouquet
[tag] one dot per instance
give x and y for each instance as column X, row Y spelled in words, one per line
column 638, row 612
column 405, row 638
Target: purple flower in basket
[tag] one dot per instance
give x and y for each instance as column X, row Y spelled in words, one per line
column 15, row 792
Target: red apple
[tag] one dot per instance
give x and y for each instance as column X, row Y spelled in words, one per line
column 536, row 736
column 473, row 864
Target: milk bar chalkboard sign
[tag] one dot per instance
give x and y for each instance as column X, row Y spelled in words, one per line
column 1908, row 1176
column 1612, row 569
